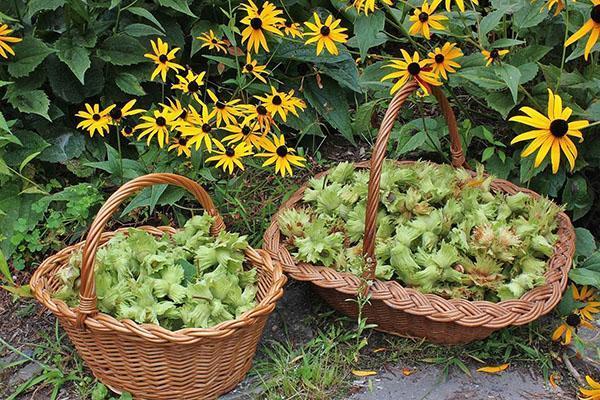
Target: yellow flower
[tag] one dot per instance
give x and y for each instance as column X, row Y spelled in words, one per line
column 209, row 40
column 5, row 39
column 116, row 114
column 290, row 28
column 424, row 19
column 280, row 155
column 226, row 111
column 551, row 133
column 229, row 157
column 281, row 103
column 252, row 68
column 258, row 114
column 258, row 21
column 411, row 68
column 593, row 25
column 127, row 131
column 95, row 120
column 460, row 3
column 247, row 133
column 593, row 393
column 178, row 115
column 560, row 5
column 201, row 129
column 568, row 328
column 162, row 57
column 583, row 295
column 441, row 59
column 326, row 34
column 181, row 145
column 190, row 83
column 156, row 124
column 493, row 55
column 368, row 6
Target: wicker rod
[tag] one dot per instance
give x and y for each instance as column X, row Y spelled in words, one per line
column 87, row 291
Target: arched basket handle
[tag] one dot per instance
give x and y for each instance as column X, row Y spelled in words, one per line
column 87, row 290
column 379, row 153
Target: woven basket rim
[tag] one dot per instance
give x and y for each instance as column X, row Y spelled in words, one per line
column 471, row 313
column 152, row 332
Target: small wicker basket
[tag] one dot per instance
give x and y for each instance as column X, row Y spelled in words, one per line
column 147, row 360
column 406, row 311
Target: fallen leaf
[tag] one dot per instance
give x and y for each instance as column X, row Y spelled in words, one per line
column 493, row 370
column 553, row 378
column 407, row 371
column 379, row 350
column 357, row 372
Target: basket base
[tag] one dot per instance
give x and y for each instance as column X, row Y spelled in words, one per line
column 403, row 324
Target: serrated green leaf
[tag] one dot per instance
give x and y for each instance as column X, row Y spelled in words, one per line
column 511, row 76
column 366, row 30
column 64, row 147
column 129, row 84
column 121, row 50
column 501, row 102
column 583, row 276
column 300, row 52
column 142, row 12
column 483, row 77
column 35, row 6
column 32, row 101
column 29, row 53
column 178, row 5
column 528, row 72
column 585, row 244
column 491, row 21
column 223, row 60
column 529, row 15
column 76, row 57
column 142, row 30
column 27, row 160
column 528, row 54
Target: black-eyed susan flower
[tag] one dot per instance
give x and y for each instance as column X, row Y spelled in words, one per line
column 584, row 294
column 290, row 28
column 278, row 153
column 190, row 84
column 200, row 131
column 593, row 393
column 127, row 130
column 258, row 21
column 225, row 111
column 249, row 133
column 281, row 103
column 117, row 113
column 6, row 40
column 592, row 25
column 157, row 125
column 551, row 133
column 210, row 40
column 251, row 67
column 94, row 119
column 442, row 60
column 568, row 328
column 424, row 19
column 411, row 68
column 163, row 58
column 258, row 114
column 229, row 157
column 181, row 145
column 326, row 34
column 460, row 4
column 493, row 56
column 178, row 114
column 368, row 6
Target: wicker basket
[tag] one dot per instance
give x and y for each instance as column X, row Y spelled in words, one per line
column 408, row 312
column 146, row 360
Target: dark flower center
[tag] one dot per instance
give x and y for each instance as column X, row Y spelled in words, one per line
column 573, row 320
column 325, row 31
column 193, row 86
column 256, row 23
column 261, row 110
column 595, row 14
column 161, row 121
column 116, row 113
column 229, row 152
column 282, row 151
column 414, row 68
column 128, row 130
column 277, row 100
column 439, row 58
column 214, row 41
column 182, row 141
column 206, row 128
column 183, row 114
column 423, row 17
column 245, row 130
column 163, row 58
column 249, row 67
column 96, row 117
column 220, row 105
column 559, row 128
column 494, row 54
column 288, row 24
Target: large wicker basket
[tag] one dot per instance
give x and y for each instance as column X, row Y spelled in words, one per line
column 406, row 311
column 146, row 360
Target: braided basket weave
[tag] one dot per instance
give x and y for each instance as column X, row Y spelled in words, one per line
column 406, row 311
column 147, row 360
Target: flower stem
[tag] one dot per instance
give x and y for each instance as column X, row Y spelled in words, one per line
column 564, row 52
column 120, row 153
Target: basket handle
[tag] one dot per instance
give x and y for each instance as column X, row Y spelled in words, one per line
column 87, row 291
column 378, row 156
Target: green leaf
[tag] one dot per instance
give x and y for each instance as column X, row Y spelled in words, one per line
column 178, row 5
column 491, row 21
column 300, row 52
column 331, row 104
column 76, row 57
column 4, row 270
column 129, row 84
column 528, row 72
column 592, row 263
column 501, row 43
column 27, row 160
column 362, row 119
column 230, row 62
column 345, row 73
column 64, row 147
column 529, row 15
column 366, row 30
column 511, row 76
column 3, row 124
column 487, row 153
column 500, row 102
column 142, row 12
column 577, row 197
column 198, row 28
column 528, row 54
column 585, row 244
column 483, row 77
column 36, row 6
column 121, row 50
column 142, row 30
column 32, row 101
column 582, row 276
column 30, row 53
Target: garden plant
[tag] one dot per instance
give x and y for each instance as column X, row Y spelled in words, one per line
column 251, row 100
